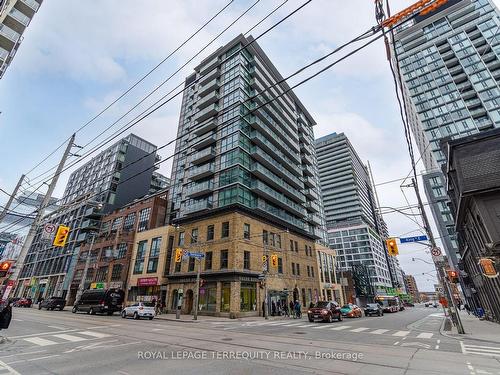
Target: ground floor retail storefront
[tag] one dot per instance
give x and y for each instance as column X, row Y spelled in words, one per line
column 40, row 287
column 236, row 295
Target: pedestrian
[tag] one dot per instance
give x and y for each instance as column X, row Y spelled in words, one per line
column 297, row 309
column 273, row 308
column 5, row 318
column 278, row 308
column 292, row 310
column 285, row 310
column 157, row 308
column 311, row 305
column 263, row 309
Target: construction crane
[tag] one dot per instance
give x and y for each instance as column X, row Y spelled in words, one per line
column 422, row 8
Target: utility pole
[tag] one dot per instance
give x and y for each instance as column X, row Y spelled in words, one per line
column 11, row 198
column 195, row 314
column 40, row 212
column 439, row 268
column 81, row 286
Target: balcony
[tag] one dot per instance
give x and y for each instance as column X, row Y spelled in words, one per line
column 315, row 219
column 203, row 155
column 90, row 224
column 209, row 86
column 200, row 189
column 203, row 142
column 212, row 97
column 205, row 127
column 210, row 111
column 209, row 76
column 202, row 171
column 198, row 206
column 312, row 206
column 32, row 4
column 10, row 37
column 277, row 198
column 307, row 171
column 307, row 159
column 277, row 182
column 309, row 182
column 23, row 19
column 277, row 213
column 208, row 65
column 311, row 194
column 3, row 55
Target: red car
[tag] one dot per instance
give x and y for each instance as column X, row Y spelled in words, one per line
column 351, row 311
column 24, row 302
column 325, row 311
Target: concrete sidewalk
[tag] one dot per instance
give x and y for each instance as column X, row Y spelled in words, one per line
column 475, row 329
column 205, row 318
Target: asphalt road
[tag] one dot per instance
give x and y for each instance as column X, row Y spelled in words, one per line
column 408, row 342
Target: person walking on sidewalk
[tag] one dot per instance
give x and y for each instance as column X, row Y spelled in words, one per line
column 292, row 309
column 285, row 310
column 297, row 308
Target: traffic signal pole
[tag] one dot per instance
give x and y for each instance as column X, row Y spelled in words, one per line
column 439, row 267
column 196, row 296
column 11, row 198
column 40, row 213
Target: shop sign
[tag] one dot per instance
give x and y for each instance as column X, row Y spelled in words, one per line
column 98, row 286
column 147, row 281
column 43, row 281
column 116, row 284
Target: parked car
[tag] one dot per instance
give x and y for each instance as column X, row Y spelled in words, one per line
column 103, row 301
column 427, row 304
column 408, row 304
column 52, row 303
column 325, row 311
column 435, row 305
column 374, row 309
column 140, row 310
column 23, row 302
column 351, row 311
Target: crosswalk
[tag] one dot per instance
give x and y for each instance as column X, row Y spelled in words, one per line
column 64, row 338
column 336, row 327
column 491, row 351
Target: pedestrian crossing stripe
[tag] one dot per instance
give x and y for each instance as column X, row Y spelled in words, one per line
column 339, row 328
column 425, row 335
column 360, row 329
column 379, row 331
column 401, row 333
column 480, row 349
column 45, row 341
column 71, row 338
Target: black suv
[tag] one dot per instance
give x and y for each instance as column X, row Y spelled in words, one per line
column 53, row 303
column 374, row 309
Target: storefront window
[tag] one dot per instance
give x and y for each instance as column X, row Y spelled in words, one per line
column 208, row 298
column 225, row 297
column 248, row 299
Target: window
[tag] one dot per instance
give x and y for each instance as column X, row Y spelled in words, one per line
column 210, row 233
column 208, row 260
column 191, row 264
column 246, row 231
column 143, row 219
column 296, row 246
column 154, row 253
column 280, row 265
column 225, row 229
column 129, row 222
column 308, row 270
column 278, row 241
column 102, row 274
column 293, row 268
column 265, row 237
column 139, row 260
column 297, row 268
column 194, row 235
column 291, row 245
column 120, row 251
column 312, row 271
column 225, row 297
column 181, row 239
column 248, row 296
column 246, row 260
column 117, row 223
column 223, row 259
column 116, row 272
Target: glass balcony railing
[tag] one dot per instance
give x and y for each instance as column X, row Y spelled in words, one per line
column 288, row 163
column 270, row 177
column 204, row 114
column 32, row 4
column 20, row 17
column 203, row 155
column 201, row 188
column 3, row 54
column 202, row 171
column 199, row 206
column 278, row 197
column 280, row 214
column 9, row 33
column 311, row 194
column 207, row 100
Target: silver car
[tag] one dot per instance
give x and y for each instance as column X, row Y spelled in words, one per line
column 139, row 310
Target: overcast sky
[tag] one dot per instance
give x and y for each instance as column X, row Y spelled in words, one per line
column 77, row 56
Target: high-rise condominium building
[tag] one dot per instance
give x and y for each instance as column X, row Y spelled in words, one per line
column 450, row 67
column 353, row 228
column 15, row 16
column 245, row 181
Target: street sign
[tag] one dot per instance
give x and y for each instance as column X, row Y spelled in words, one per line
column 436, row 251
column 413, row 239
column 48, row 231
column 195, row 255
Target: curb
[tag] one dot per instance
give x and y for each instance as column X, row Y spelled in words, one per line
column 457, row 336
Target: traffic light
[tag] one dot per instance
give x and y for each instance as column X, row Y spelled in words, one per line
column 392, row 246
column 264, row 258
column 453, row 276
column 274, row 260
column 488, row 267
column 4, row 268
column 178, row 255
column 61, row 236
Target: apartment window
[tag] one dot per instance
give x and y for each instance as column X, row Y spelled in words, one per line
column 116, row 272
column 102, row 274
column 210, row 233
column 105, row 227
column 181, row 239
column 129, row 222
column 312, row 271
column 121, row 251
column 178, row 267
column 293, row 268
column 296, row 246
column 278, row 241
column 117, row 223
column 139, row 260
column 246, row 231
column 265, row 237
column 224, row 259
column 194, row 235
column 208, row 260
column 154, row 253
column 143, row 219
column 225, row 229
column 297, row 269
column 280, row 265
column 308, row 271
column 191, row 264
column 291, row 245
column 246, row 260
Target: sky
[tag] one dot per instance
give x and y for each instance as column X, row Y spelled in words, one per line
column 75, row 59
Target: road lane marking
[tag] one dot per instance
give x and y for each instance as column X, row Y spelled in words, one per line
column 56, row 327
column 8, row 368
column 401, row 333
column 71, row 338
column 292, row 325
column 99, row 335
column 38, row 358
column 27, row 353
column 42, row 334
column 379, row 331
column 425, row 335
column 306, row 325
column 318, row 326
column 158, row 329
column 40, row 341
column 339, row 328
column 360, row 329
column 396, row 343
column 17, row 320
column 277, row 323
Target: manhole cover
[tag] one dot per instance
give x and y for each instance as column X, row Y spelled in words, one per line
column 300, row 333
column 226, row 339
